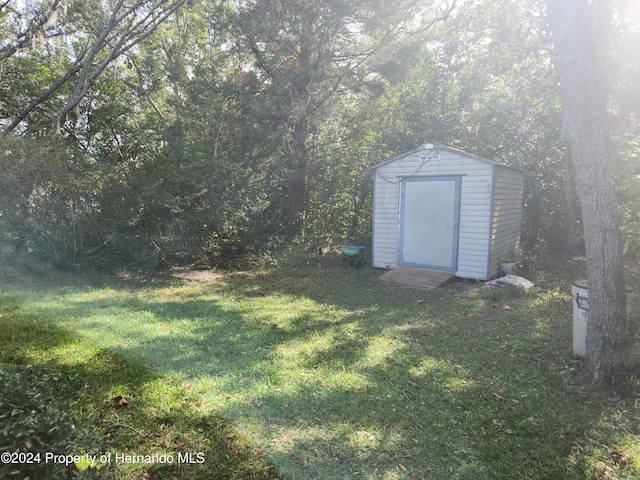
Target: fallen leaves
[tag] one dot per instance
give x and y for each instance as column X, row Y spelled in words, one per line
column 620, row 457
column 120, row 401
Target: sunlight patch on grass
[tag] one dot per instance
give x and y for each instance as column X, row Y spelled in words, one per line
column 430, row 365
column 72, row 353
column 380, row 349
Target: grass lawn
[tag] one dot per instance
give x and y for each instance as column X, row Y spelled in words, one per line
column 329, row 374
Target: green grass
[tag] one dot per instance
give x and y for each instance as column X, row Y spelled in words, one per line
column 333, row 374
column 134, row 410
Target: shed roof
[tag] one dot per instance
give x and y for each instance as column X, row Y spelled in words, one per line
column 437, row 148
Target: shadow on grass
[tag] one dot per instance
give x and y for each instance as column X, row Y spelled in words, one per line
column 134, row 410
column 334, row 372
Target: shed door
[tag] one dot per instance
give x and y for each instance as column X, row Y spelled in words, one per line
column 430, row 209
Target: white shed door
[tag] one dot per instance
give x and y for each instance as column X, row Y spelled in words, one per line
column 429, row 216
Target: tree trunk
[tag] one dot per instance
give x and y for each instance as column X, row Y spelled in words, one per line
column 584, row 103
column 301, row 95
column 297, row 182
column 570, row 244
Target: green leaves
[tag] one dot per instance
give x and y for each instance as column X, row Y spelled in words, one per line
column 36, row 421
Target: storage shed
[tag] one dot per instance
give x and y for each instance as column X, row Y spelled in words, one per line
column 443, row 209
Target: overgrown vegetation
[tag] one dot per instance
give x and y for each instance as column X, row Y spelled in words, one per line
column 32, row 428
column 184, row 151
column 330, row 373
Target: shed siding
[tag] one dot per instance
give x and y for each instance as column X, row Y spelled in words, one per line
column 490, row 208
column 507, row 216
column 475, row 211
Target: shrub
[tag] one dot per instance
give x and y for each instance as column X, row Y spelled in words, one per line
column 35, row 421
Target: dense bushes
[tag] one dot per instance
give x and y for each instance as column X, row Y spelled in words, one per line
column 57, row 202
column 161, row 209
column 45, row 198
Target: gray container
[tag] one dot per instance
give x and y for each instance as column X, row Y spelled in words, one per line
column 580, row 294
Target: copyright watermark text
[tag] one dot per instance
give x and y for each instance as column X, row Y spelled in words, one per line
column 97, row 461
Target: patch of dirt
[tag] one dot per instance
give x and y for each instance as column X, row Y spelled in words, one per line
column 192, row 275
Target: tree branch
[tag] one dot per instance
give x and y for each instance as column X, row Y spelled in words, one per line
column 132, row 35
column 23, row 39
column 128, row 25
column 442, row 18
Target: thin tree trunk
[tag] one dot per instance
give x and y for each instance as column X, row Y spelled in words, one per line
column 297, row 182
column 570, row 243
column 584, row 103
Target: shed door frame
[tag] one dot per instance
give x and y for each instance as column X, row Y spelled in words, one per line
column 445, row 217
